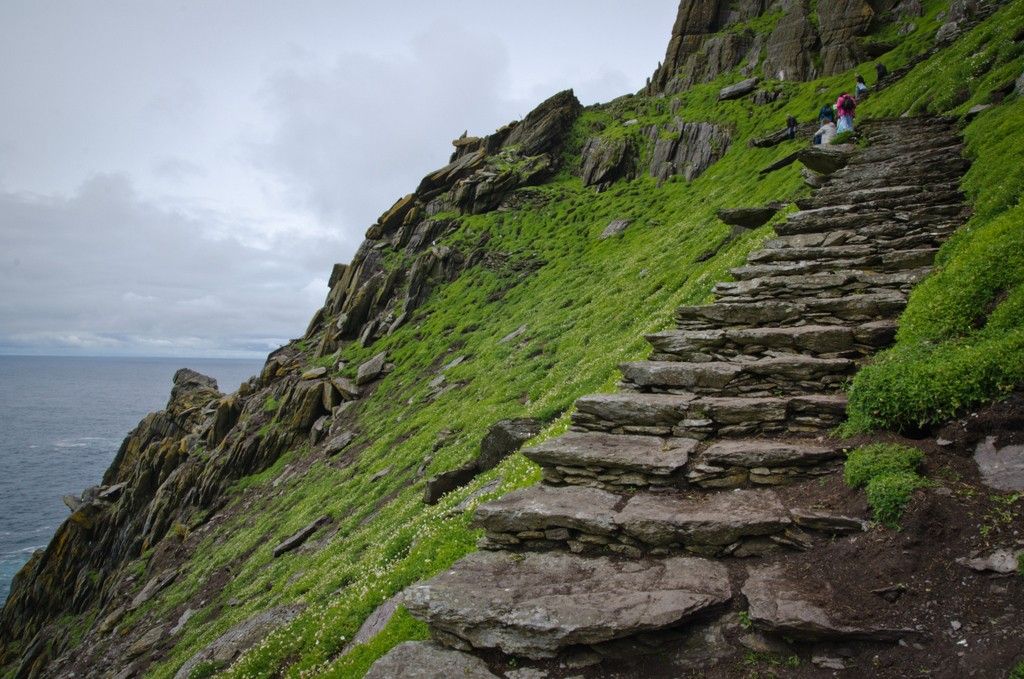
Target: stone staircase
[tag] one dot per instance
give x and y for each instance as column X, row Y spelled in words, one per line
column 678, row 499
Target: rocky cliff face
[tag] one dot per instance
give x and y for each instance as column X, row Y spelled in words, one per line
column 712, row 37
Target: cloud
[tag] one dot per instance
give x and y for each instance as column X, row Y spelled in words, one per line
column 349, row 133
column 105, row 269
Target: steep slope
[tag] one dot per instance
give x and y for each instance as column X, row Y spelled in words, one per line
column 256, row 532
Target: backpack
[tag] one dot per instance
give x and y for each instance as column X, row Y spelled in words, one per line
column 847, row 105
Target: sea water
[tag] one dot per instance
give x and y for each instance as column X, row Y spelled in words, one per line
column 62, row 420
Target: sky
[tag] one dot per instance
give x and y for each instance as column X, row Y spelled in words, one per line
column 177, row 178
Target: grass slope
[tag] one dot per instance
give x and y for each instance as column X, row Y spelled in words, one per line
column 584, row 311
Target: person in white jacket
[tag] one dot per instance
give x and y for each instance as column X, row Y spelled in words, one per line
column 825, row 134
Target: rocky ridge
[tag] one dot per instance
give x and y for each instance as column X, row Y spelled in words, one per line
column 690, row 477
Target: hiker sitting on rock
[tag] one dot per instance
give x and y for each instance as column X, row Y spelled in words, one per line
column 862, row 87
column 826, row 113
column 791, row 125
column 847, row 108
column 825, row 134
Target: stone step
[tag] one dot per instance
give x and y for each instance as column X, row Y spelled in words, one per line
column 820, row 284
column 800, row 608
column 891, row 262
column 946, row 171
column 908, row 192
column 891, row 235
column 796, row 312
column 533, row 605
column 593, row 520
column 730, row 464
column 613, row 461
column 817, row 340
column 788, row 374
column 703, row 417
column 923, row 153
column 919, row 219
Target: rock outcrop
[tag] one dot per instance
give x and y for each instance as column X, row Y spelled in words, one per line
column 686, row 149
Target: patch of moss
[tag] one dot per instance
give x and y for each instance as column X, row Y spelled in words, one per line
column 888, row 474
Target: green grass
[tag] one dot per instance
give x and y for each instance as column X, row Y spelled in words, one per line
column 888, row 474
column 961, row 338
column 1017, row 672
column 586, row 309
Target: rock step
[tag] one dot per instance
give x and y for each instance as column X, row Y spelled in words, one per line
column 924, row 151
column 856, row 256
column 911, row 192
column 703, row 417
column 613, row 461
column 880, row 263
column 590, row 519
column 866, row 180
column 533, row 605
column 729, row 464
column 917, row 219
column 788, row 374
column 799, row 608
column 829, row 212
column 796, row 312
column 822, row 284
column 816, row 340
column 886, row 234
column 864, row 176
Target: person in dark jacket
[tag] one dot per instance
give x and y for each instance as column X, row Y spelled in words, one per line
column 880, row 71
column 791, row 126
column 826, row 113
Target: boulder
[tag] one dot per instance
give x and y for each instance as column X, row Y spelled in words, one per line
column 825, row 159
column 605, row 160
column 1001, row 468
column 614, row 228
column 296, row 540
column 241, row 638
column 535, row 604
column 976, row 110
column 371, row 370
column 740, row 89
column 748, row 217
column 798, row 608
column 428, row 660
column 504, row 438
column 688, row 150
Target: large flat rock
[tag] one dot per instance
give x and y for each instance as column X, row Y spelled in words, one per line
column 427, row 660
column 793, row 373
column 1001, row 468
column 645, row 454
column 539, row 508
column 536, row 604
column 803, row 609
column 767, row 453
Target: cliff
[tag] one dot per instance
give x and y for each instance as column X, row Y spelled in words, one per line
column 270, row 531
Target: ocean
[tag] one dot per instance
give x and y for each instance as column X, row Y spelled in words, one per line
column 62, row 420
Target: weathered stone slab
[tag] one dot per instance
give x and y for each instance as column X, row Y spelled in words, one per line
column 748, row 217
column 589, row 510
column 716, row 519
column 371, row 370
column 428, row 660
column 535, row 604
column 767, row 453
column 799, row 609
column 241, row 637
column 646, row 454
column 1001, row 468
column 296, row 540
column 740, row 89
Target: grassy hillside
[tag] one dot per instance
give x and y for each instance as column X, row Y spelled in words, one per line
column 584, row 310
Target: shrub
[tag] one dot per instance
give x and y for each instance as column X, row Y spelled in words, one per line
column 889, row 493
column 271, row 404
column 843, row 138
column 867, row 462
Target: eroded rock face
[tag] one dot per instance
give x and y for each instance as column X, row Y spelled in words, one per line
column 790, row 46
column 241, row 637
column 605, row 160
column 689, row 150
column 535, row 604
column 840, row 22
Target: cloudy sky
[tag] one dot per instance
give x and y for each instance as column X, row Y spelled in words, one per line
column 178, row 177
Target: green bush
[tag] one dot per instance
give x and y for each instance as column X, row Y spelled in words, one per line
column 843, row 138
column 867, row 462
column 889, row 493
